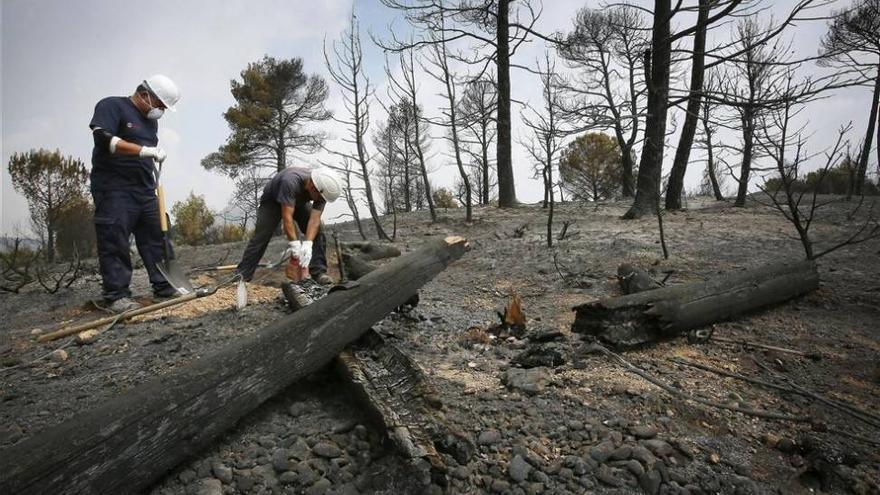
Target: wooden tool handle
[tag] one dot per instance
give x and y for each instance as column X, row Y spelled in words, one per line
column 163, row 218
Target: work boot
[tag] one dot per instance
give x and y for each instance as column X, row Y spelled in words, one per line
column 166, row 293
column 124, row 304
column 323, row 279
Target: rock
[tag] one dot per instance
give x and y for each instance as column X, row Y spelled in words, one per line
column 222, row 472
column 307, row 475
column 288, row 478
column 785, row 445
column 518, row 469
column 187, row 476
column 87, row 337
column 360, row 431
column 320, row 487
column 244, row 480
column 538, row 355
column 37, row 331
column 635, row 467
column 622, row 453
column 327, row 450
column 605, row 475
column 489, row 437
column 500, row 486
column 643, row 432
column 530, row 381
column 280, row 461
column 602, row 452
column 300, row 450
column 770, row 439
column 461, row 473
column 714, row 458
column 297, row 409
column 210, row 486
column 59, row 355
column 659, row 447
column 650, row 482
column 643, row 455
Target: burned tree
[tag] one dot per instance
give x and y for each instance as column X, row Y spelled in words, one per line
column 477, row 112
column 495, row 29
column 347, row 71
column 546, row 125
column 606, row 48
column 852, row 43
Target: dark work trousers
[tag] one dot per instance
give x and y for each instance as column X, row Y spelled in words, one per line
column 118, row 214
column 268, row 217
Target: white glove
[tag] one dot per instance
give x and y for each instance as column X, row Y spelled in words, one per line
column 305, row 253
column 154, row 152
column 293, row 249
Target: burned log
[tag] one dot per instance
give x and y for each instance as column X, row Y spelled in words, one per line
column 356, row 267
column 140, row 435
column 370, row 251
column 646, row 317
column 396, row 391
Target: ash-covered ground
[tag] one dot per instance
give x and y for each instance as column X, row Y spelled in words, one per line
column 584, row 426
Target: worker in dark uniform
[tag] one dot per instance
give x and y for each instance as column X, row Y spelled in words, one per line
column 123, row 186
column 294, row 195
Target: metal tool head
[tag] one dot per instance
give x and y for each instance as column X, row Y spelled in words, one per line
column 175, row 276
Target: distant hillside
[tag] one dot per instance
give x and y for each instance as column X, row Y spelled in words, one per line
column 7, row 243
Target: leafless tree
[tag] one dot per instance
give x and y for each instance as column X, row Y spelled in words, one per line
column 246, row 196
column 606, row 48
column 546, row 125
column 351, row 176
column 709, row 127
column 347, row 71
column 478, row 105
column 449, row 119
column 404, row 87
column 852, row 43
column 784, row 144
column 495, row 30
column 17, row 267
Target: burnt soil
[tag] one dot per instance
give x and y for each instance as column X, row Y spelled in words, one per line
column 586, row 425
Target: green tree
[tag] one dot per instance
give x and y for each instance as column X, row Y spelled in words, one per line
column 275, row 101
column 192, row 218
column 49, row 183
column 592, row 167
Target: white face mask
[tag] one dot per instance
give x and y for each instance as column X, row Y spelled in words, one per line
column 153, row 113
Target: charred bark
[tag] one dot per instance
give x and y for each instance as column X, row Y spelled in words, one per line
column 650, row 316
column 131, row 440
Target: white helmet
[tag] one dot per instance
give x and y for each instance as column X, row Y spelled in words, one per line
column 327, row 183
column 165, row 89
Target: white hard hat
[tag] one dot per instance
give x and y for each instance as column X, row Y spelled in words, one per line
column 327, row 183
column 165, row 89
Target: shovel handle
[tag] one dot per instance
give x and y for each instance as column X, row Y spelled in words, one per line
column 163, row 218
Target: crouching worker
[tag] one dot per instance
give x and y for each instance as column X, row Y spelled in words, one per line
column 294, row 195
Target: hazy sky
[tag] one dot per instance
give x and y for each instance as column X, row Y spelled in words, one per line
column 60, row 57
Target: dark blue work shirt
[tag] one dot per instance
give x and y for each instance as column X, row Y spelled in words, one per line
column 288, row 187
column 114, row 172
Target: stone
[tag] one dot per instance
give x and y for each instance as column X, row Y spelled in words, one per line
column 86, row 338
column 288, row 478
column 659, row 447
column 244, row 480
column 320, row 487
column 300, row 450
column 518, row 469
column 327, row 450
column 460, row 473
column 187, row 476
column 59, row 355
column 621, row 453
column 307, row 475
column 222, row 472
column 602, row 452
column 643, row 455
column 635, row 467
column 500, row 486
column 606, row 475
column 785, row 445
column 297, row 409
column 643, row 432
column 489, row 437
column 280, row 461
column 650, row 482
column 210, row 486
column 530, row 381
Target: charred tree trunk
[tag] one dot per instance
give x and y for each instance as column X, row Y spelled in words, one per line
column 506, row 189
column 633, row 279
column 657, row 63
column 130, row 441
column 647, row 317
column 372, row 250
column 745, row 168
column 869, row 135
column 675, row 186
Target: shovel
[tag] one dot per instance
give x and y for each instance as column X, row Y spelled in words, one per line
column 168, row 267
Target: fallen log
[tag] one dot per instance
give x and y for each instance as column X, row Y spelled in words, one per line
column 400, row 398
column 355, row 267
column 140, row 435
column 370, row 251
column 646, row 317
